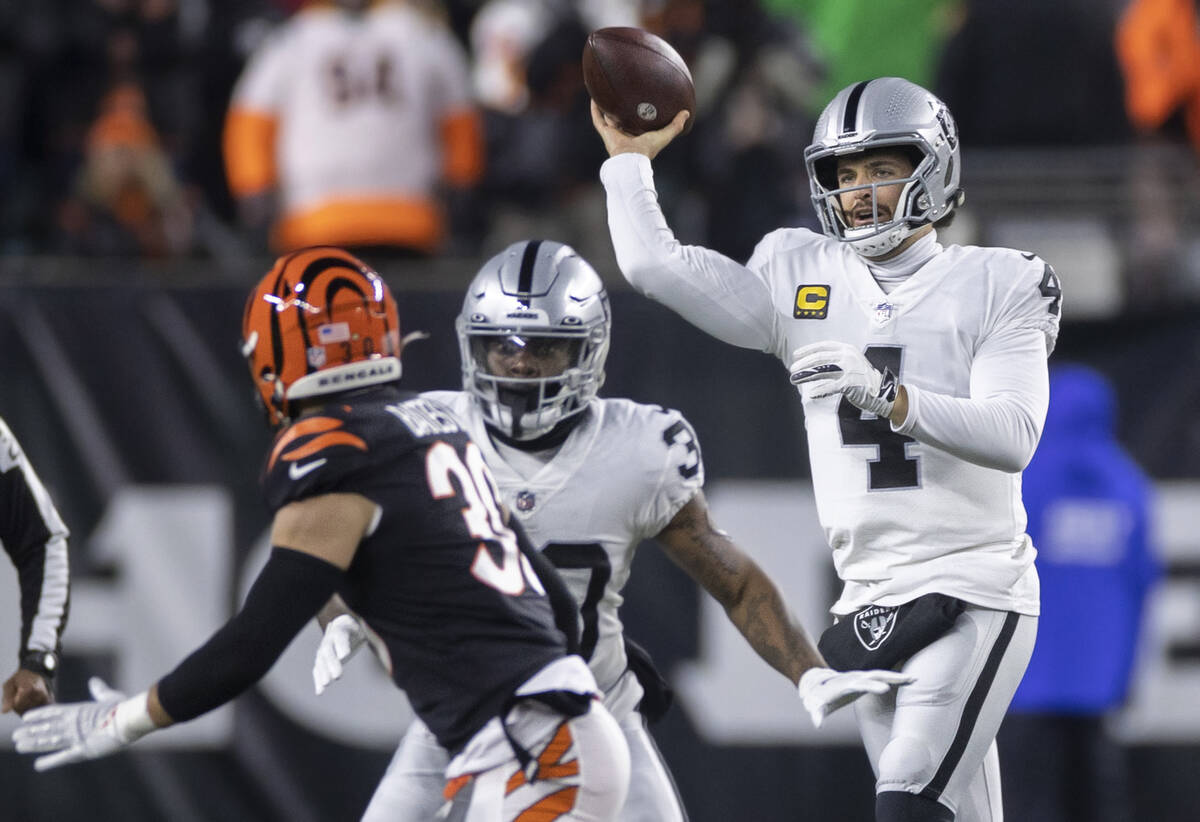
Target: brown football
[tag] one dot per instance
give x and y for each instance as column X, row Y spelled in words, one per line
column 636, row 78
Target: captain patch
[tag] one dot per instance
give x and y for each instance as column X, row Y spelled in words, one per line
column 812, row 302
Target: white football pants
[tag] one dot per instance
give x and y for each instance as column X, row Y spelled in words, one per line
column 411, row 788
column 936, row 737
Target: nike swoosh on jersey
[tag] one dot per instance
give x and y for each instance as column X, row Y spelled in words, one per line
column 296, row 470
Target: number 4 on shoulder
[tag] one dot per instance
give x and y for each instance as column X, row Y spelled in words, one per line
column 1050, row 287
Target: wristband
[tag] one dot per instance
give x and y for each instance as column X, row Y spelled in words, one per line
column 131, row 718
column 40, row 662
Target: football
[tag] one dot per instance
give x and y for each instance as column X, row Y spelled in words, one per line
column 637, row 78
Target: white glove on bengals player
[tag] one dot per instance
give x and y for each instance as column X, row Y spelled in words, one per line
column 824, row 690
column 343, row 636
column 839, row 368
column 75, row 731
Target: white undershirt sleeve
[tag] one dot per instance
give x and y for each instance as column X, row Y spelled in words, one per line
column 1000, row 424
column 714, row 293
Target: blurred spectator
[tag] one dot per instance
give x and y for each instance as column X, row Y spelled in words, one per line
column 73, row 56
column 542, row 152
column 352, row 125
column 1158, row 44
column 861, row 39
column 742, row 165
column 1088, row 505
column 127, row 199
column 1032, row 73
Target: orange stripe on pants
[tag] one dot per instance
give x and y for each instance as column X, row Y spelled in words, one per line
column 549, row 808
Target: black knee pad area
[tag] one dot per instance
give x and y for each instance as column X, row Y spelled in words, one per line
column 900, row 806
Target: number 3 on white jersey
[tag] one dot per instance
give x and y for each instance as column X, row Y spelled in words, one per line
column 482, row 516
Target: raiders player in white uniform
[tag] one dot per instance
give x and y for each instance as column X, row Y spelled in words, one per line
column 589, row 479
column 922, row 371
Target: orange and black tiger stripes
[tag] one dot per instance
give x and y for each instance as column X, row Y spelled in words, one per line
column 317, row 310
column 322, row 433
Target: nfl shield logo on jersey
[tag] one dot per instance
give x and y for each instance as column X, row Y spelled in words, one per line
column 874, row 625
column 525, row 501
column 883, row 313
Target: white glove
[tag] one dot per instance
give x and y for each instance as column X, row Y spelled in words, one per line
column 824, row 690
column 343, row 636
column 75, row 731
column 838, row 368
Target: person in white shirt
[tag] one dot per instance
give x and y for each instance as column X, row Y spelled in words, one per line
column 923, row 376
column 353, row 125
column 588, row 479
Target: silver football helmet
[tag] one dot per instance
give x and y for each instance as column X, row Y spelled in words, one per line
column 534, row 293
column 884, row 113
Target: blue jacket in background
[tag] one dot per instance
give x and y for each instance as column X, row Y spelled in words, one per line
column 1088, row 505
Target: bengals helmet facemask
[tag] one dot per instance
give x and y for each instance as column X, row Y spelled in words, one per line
column 320, row 322
column 535, row 295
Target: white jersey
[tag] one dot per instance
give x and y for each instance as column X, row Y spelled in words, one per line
column 967, row 334
column 619, row 478
column 349, row 90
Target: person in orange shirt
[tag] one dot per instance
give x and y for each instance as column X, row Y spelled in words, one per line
column 350, row 125
column 1158, row 45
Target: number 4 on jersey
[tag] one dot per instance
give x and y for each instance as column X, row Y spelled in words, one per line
column 1050, row 287
column 891, row 468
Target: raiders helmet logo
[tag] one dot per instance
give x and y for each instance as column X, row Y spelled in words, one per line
column 874, row 625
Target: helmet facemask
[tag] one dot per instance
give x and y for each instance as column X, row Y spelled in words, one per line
column 527, row 407
column 542, row 303
column 913, row 206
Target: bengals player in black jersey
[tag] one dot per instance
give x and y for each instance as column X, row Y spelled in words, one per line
column 379, row 495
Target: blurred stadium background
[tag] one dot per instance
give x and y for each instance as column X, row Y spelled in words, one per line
column 119, row 312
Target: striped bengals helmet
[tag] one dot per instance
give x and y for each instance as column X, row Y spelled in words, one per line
column 321, row 321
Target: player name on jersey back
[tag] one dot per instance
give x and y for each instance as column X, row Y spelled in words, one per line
column 424, row 418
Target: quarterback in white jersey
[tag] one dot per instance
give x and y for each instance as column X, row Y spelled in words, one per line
column 588, row 479
column 923, row 376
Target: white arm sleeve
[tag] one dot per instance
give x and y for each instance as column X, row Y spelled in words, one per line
column 1000, row 424
column 709, row 290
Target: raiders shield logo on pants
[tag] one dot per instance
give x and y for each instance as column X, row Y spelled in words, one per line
column 936, row 736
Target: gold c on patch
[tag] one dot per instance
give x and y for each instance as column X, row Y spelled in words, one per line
column 812, row 302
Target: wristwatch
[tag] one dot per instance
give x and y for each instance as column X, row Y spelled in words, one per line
column 40, row 662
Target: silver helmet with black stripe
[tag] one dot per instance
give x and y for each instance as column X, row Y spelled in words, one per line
column 533, row 295
column 888, row 112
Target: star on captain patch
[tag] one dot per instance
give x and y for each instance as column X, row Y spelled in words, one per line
column 525, row 501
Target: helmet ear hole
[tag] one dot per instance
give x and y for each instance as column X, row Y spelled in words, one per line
column 825, row 170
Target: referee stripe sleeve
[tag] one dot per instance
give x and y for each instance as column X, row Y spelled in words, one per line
column 35, row 538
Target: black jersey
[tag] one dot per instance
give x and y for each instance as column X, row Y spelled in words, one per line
column 439, row 576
